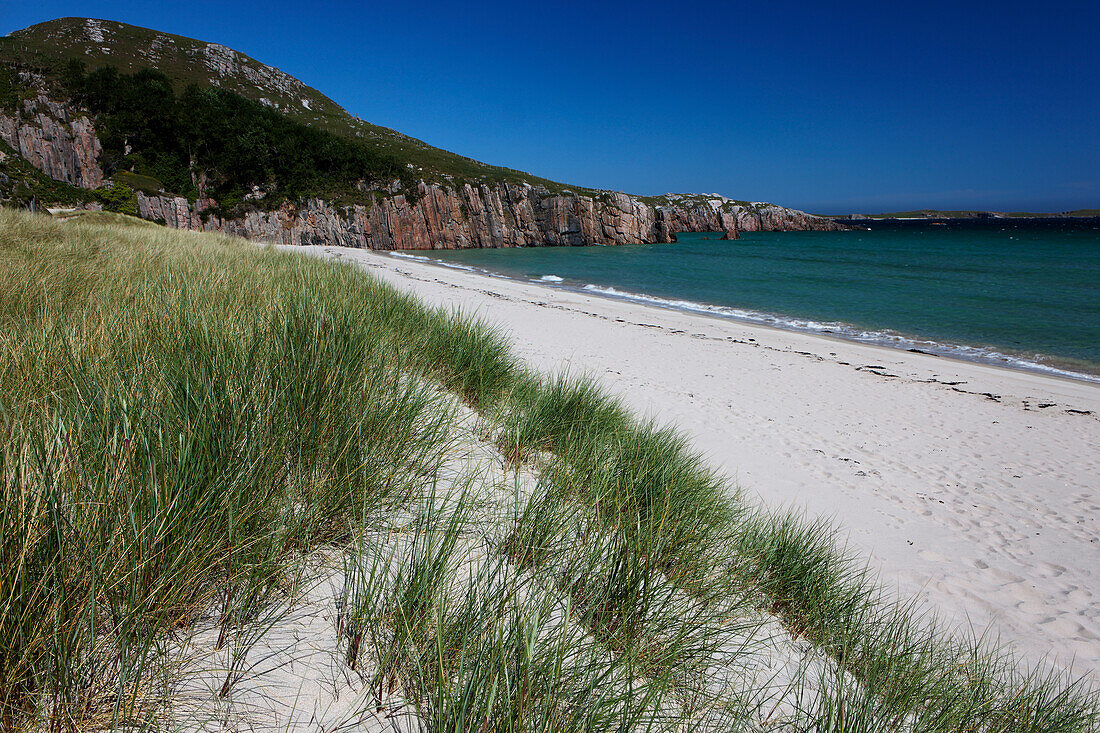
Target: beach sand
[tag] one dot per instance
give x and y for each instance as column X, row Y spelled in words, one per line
column 970, row 487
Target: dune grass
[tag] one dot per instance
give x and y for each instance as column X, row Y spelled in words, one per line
column 478, row 643
column 182, row 415
column 901, row 671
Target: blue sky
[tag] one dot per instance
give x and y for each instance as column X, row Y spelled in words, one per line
column 829, row 107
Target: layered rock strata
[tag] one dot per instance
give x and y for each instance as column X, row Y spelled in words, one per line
column 689, row 212
column 61, row 145
column 772, row 218
column 64, row 146
column 500, row 215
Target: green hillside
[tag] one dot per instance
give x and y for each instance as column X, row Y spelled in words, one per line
column 49, row 47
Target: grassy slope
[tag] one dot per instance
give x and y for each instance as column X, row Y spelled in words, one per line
column 691, row 198
column 49, row 46
column 185, row 414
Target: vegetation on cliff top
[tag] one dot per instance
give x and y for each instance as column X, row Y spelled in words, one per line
column 47, row 48
column 725, row 205
column 216, row 143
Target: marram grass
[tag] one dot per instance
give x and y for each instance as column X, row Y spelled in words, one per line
column 183, row 415
column 180, row 414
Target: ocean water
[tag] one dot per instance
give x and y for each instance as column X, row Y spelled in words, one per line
column 1023, row 294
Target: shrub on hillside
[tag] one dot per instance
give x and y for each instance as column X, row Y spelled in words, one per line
column 118, row 197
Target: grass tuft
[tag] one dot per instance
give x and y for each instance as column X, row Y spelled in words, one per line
column 184, row 417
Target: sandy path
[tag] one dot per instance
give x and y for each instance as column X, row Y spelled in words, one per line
column 974, row 487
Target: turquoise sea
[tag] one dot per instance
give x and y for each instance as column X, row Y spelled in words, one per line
column 1024, row 294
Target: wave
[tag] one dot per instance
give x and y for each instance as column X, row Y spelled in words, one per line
column 980, row 354
column 433, row 261
column 986, row 355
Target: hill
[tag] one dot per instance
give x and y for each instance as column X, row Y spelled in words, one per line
column 99, row 43
column 209, row 138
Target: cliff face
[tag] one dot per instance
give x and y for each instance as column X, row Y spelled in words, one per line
column 711, row 212
column 500, row 215
column 61, row 145
column 498, row 208
column 772, row 218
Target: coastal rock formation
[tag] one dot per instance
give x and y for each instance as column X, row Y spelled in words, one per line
column 444, row 201
column 173, row 211
column 691, row 211
column 764, row 217
column 61, row 145
column 701, row 218
column 499, row 215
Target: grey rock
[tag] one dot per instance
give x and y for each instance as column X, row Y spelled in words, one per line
column 65, row 149
column 64, row 146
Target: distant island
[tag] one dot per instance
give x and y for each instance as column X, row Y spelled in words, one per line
column 963, row 214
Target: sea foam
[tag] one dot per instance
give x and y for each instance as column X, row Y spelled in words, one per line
column 849, row 332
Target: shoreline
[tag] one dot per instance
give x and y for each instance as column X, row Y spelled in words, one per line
column 967, row 487
column 986, row 355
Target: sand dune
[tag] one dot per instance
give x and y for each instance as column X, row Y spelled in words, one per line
column 971, row 487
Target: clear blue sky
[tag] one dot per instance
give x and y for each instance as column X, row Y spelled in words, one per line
column 829, row 107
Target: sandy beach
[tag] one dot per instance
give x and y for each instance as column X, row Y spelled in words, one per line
column 970, row 487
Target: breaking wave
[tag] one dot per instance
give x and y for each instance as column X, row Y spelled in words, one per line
column 986, row 355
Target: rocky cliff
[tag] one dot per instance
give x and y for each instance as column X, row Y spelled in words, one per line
column 57, row 142
column 693, row 212
column 501, row 215
column 63, row 145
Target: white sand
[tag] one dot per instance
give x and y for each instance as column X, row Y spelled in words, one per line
column 985, row 506
column 289, row 669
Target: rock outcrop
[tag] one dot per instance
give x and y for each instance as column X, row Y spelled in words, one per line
column 432, row 209
column 690, row 211
column 61, row 145
column 763, row 217
column 499, row 215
